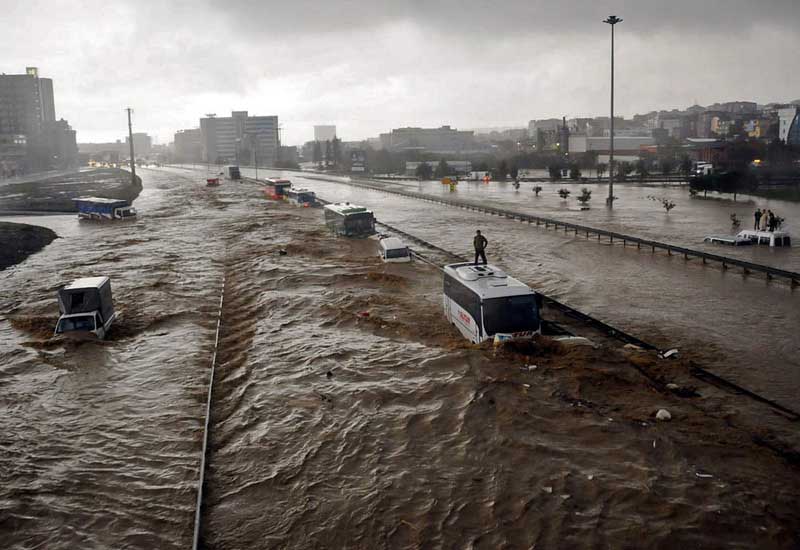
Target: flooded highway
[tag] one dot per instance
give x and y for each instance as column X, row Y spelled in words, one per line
column 347, row 414
column 661, row 299
column 100, row 439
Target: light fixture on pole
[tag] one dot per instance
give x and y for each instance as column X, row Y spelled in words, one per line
column 612, row 20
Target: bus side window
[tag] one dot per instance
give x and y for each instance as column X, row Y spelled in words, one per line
column 464, row 297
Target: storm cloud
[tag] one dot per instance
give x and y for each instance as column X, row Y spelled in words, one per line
column 370, row 66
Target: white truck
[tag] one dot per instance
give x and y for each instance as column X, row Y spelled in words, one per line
column 86, row 307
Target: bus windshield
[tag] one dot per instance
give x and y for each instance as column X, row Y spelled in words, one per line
column 510, row 314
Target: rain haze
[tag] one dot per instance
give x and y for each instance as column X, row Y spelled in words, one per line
column 399, row 275
column 368, row 66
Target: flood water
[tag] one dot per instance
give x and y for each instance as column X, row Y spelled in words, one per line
column 661, row 299
column 347, row 413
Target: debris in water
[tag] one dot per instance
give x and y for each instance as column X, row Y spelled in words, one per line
column 363, row 314
column 669, row 353
column 663, row 414
column 703, row 476
column 547, row 489
column 329, row 374
column 672, row 387
column 282, row 252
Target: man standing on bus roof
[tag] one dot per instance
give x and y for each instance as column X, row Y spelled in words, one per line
column 480, row 243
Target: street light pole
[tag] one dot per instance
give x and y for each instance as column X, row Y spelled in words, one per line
column 612, row 20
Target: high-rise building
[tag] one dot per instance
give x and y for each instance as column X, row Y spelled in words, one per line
column 240, row 139
column 189, row 145
column 324, row 133
column 32, row 137
column 142, row 144
column 432, row 140
column 26, row 102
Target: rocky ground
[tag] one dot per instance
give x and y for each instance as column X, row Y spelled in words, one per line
column 18, row 241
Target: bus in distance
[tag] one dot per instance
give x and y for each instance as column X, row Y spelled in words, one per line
column 485, row 303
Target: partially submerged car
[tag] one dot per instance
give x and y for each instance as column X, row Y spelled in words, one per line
column 87, row 308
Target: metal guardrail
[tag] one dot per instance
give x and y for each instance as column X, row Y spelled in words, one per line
column 696, row 371
column 771, row 272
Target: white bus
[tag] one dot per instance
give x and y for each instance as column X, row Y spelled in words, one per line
column 349, row 220
column 483, row 302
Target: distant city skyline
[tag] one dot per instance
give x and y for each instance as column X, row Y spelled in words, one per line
column 377, row 66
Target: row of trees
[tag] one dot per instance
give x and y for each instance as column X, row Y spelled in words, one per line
column 332, row 156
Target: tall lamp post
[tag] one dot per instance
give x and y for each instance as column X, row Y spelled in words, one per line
column 612, row 20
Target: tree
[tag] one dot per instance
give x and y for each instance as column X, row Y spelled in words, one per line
column 574, row 172
column 424, row 171
column 624, row 169
column 442, row 170
column 555, row 172
column 667, row 166
column 336, row 145
column 328, row 153
column 564, row 193
column 317, row 154
column 537, row 189
column 514, row 171
column 667, row 204
column 601, row 169
column 641, row 169
column 501, row 172
column 585, row 196
column 685, row 166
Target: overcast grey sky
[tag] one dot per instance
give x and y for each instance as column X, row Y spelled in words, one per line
column 368, row 66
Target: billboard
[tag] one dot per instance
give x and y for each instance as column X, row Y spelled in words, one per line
column 358, row 161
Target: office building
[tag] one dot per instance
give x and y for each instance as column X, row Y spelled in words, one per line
column 142, row 144
column 188, row 145
column 240, row 139
column 430, row 140
column 324, row 133
column 26, row 102
column 31, row 137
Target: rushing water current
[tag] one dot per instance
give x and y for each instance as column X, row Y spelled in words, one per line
column 744, row 327
column 347, row 414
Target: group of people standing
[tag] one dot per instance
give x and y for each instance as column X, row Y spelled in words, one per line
column 765, row 220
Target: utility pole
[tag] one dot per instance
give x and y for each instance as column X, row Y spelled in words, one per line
column 130, row 140
column 612, row 20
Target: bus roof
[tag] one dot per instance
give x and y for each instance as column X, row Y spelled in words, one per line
column 487, row 281
column 345, row 208
column 275, row 181
column 392, row 243
column 101, row 200
column 87, row 282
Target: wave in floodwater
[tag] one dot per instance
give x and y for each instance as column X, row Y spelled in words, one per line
column 346, row 413
column 743, row 327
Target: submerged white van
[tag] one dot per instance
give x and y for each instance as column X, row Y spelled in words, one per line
column 392, row 249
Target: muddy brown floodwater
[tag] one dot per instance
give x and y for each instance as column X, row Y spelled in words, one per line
column 347, row 414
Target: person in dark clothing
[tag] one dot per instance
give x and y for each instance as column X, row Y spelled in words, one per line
column 480, row 243
column 757, row 216
column 772, row 222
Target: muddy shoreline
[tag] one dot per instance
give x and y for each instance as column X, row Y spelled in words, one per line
column 19, row 240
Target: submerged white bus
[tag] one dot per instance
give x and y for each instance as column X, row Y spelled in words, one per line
column 483, row 302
